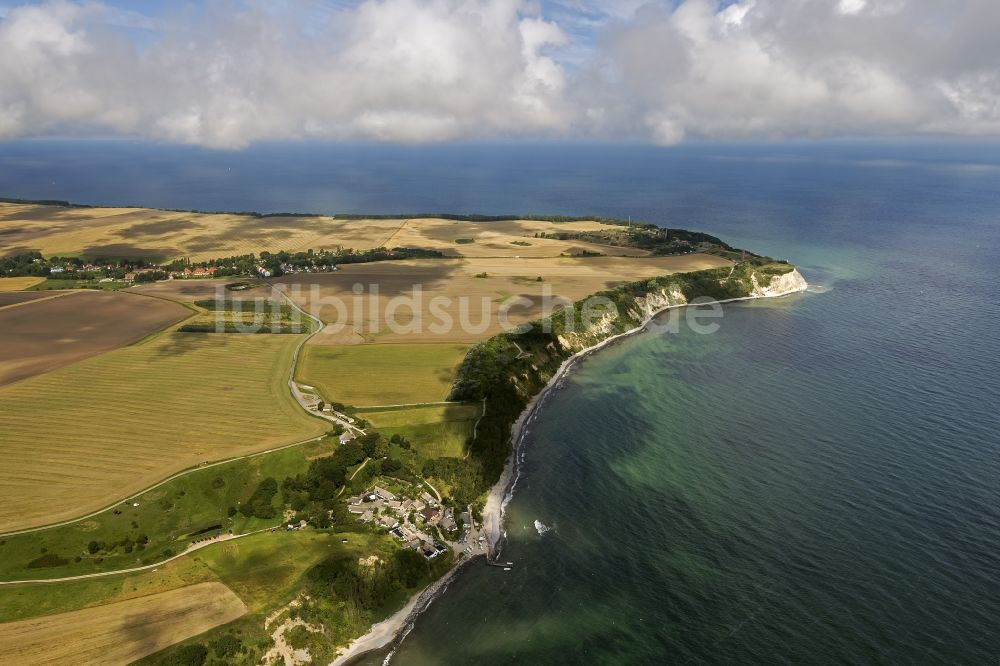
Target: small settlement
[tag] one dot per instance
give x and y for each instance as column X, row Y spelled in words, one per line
column 419, row 521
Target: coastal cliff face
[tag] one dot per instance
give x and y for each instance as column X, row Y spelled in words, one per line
column 780, row 285
column 657, row 299
column 510, row 369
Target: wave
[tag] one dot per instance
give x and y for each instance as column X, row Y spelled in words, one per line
column 542, row 528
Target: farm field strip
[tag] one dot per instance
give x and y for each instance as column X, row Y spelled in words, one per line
column 120, row 632
column 18, row 283
column 362, row 375
column 11, row 299
column 165, row 234
column 150, row 410
column 459, row 300
column 254, row 567
column 37, row 336
column 169, row 515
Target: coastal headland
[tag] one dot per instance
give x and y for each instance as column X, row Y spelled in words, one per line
column 324, row 425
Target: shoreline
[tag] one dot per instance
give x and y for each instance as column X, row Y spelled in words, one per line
column 502, row 491
column 397, row 626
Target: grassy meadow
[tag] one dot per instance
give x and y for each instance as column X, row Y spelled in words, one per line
column 256, row 574
column 390, row 374
column 83, row 436
column 282, row 557
column 159, row 523
column 434, row 431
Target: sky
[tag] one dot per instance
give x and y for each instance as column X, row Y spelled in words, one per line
column 228, row 73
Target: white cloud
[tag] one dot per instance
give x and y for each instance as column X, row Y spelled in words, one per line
column 764, row 68
column 230, row 73
column 399, row 70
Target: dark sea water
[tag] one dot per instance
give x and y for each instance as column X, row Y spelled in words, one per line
column 816, row 482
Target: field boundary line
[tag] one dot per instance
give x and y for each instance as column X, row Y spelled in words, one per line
column 394, row 232
column 169, row 327
column 61, row 294
column 183, row 472
column 408, row 404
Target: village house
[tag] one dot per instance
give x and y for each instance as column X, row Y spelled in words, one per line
column 130, row 277
column 384, row 494
column 388, row 522
column 447, row 521
column 428, row 498
column 356, row 510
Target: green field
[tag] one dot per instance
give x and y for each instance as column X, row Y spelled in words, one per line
column 262, row 569
column 381, row 374
column 260, row 315
column 434, row 430
column 191, row 507
column 79, row 438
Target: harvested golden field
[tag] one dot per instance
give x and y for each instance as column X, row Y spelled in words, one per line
column 507, row 238
column 149, row 233
column 39, row 335
column 121, row 632
column 396, row 374
column 460, row 300
column 80, row 437
column 140, row 232
column 19, row 283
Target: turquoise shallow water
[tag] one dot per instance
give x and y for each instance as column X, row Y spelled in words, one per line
column 816, row 482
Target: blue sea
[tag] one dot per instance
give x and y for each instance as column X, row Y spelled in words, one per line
column 816, row 482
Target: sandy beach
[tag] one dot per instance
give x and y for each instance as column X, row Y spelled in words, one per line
column 384, row 632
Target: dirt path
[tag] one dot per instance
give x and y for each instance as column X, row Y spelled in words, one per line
column 157, row 485
column 100, row 574
column 409, row 404
column 293, row 386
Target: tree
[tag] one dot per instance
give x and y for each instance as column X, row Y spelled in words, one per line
column 189, row 655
